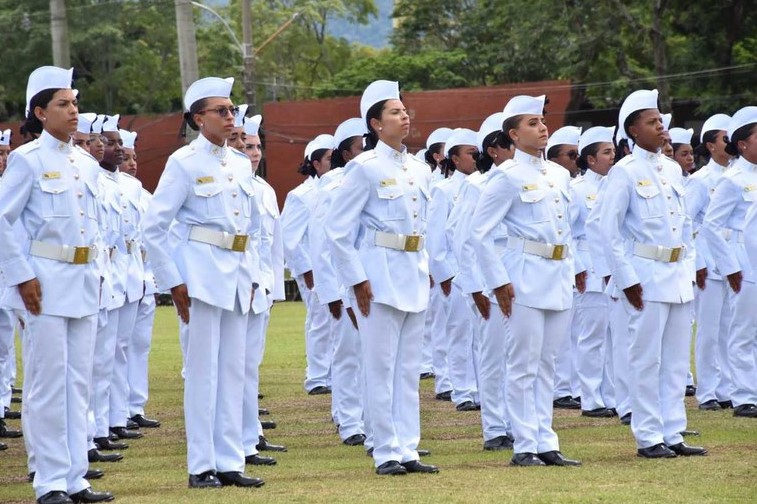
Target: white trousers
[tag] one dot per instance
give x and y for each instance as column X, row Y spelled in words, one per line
column 621, row 341
column 592, row 319
column 427, row 350
column 391, row 343
column 460, row 350
column 535, row 336
column 713, row 315
column 7, row 357
column 492, row 388
column 26, row 357
column 658, row 363
column 119, row 386
column 742, row 344
column 138, row 356
column 102, row 370
column 254, row 345
column 319, row 339
column 566, row 362
column 56, row 394
column 346, row 378
column 436, row 328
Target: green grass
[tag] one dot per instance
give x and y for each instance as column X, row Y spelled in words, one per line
column 318, row 468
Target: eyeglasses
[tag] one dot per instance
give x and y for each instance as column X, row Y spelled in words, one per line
column 221, row 111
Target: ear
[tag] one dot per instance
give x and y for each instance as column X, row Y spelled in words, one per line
column 633, row 131
column 38, row 113
column 438, row 157
column 492, row 152
column 375, row 124
column 513, row 134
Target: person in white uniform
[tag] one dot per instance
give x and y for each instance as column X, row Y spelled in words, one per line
column 533, row 281
column 52, row 188
column 206, row 188
column 649, row 238
column 375, row 226
column 723, row 229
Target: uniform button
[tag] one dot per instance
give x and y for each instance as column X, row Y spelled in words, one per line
column 126, row 220
column 236, row 212
column 70, row 160
column 81, row 212
column 672, row 213
column 79, row 195
column 559, row 231
column 674, row 229
column 557, row 200
column 415, row 231
column 551, row 184
column 231, row 177
column 411, row 182
column 239, row 230
column 663, row 182
column 223, row 163
column 559, row 216
column 81, row 230
column 404, row 168
column 76, row 176
column 415, row 214
column 669, row 197
column 415, row 198
column 234, row 194
column 124, row 206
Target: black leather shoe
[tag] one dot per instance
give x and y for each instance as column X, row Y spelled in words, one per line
column 207, row 479
column 391, row 468
column 30, row 477
column 131, row 424
column 55, row 497
column 422, row 453
column 656, row 451
column 746, row 411
column 711, row 405
column 143, row 421
column 260, row 396
column 613, row 411
column 416, row 466
column 498, row 443
column 123, row 433
column 12, row 415
column 427, row 375
column 444, row 396
column 566, row 402
column 369, row 452
column 691, row 390
column 15, row 390
column 3, row 446
column 526, row 460
column 268, row 424
column 685, row 450
column 263, row 412
column 555, row 458
column 95, row 456
column 319, row 390
column 8, row 433
column 626, row 419
column 89, row 495
column 264, row 445
column 686, row 433
column 259, row 460
column 355, row 440
column 239, row 479
column 104, row 443
column 93, row 474
column 466, row 406
column 597, row 413
column 726, row 404
column 16, row 400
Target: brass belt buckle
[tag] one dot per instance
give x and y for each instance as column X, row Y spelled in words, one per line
column 81, row 255
column 240, row 243
column 675, row 254
column 557, row 252
column 412, row 243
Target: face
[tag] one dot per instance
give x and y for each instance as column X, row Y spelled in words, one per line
column 603, row 161
column 4, row 150
column 566, row 157
column 748, row 147
column 254, row 150
column 114, row 150
column 465, row 159
column 81, row 140
column 216, row 120
column 394, row 124
column 667, row 147
column 647, row 130
column 717, row 148
column 61, row 116
column 684, row 156
column 324, row 164
column 129, row 164
column 97, row 146
column 531, row 133
column 356, row 148
column 237, row 139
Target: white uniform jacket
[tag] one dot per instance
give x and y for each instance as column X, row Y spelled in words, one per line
column 585, row 192
column 295, row 217
column 271, row 243
column 327, row 285
column 131, row 203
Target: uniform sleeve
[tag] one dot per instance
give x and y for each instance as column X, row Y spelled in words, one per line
column 15, row 192
column 597, row 249
column 277, row 261
column 294, row 224
column 616, row 200
column 750, row 235
column 441, row 265
column 574, row 209
column 723, row 201
column 469, row 278
column 324, row 276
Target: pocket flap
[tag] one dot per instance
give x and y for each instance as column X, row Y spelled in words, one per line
column 53, row 186
column 207, row 190
column 532, row 196
column 389, row 192
column 647, row 191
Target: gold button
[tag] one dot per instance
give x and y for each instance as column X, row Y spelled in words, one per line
column 415, row 214
column 559, row 231
column 81, row 212
column 234, row 194
column 79, row 195
column 236, row 212
column 551, row 184
column 82, row 231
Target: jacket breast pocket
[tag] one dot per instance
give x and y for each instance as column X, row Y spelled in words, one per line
column 91, row 200
column 209, row 200
column 536, row 204
column 650, row 201
column 56, row 198
column 248, row 198
column 424, row 200
column 392, row 201
column 750, row 196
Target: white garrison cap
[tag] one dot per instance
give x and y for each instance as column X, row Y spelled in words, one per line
column 439, row 135
column 522, row 104
column 747, row 115
column 421, row 155
column 460, row 136
column 377, row 91
column 97, row 124
column 642, row 99
column 490, row 125
column 111, row 123
column 348, row 129
column 85, row 122
column 681, row 136
column 666, row 120
column 718, row 122
column 129, row 138
column 5, row 137
column 208, row 87
column 252, row 124
column 240, row 116
column 594, row 135
column 567, row 135
column 320, row 142
column 47, row 77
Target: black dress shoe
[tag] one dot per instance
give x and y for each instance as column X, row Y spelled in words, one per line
column 143, row 421
column 416, row 466
column 95, row 456
column 726, row 404
column 498, row 443
column 55, row 497
column 123, row 433
column 686, row 433
column 427, row 376
column 526, row 460
column 711, row 405
column 597, row 413
column 260, row 396
column 12, row 415
column 319, row 390
column 259, row 460
column 268, row 424
column 355, row 440
column 745, row 410
column 30, row 477
column 626, row 419
column 369, row 452
column 131, row 424
column 89, row 495
column 555, row 458
column 8, row 433
column 15, row 390
column 104, row 443
column 466, row 406
column 3, row 446
column 444, row 396
column 391, row 468
column 93, row 474
column 263, row 412
column 16, row 400
column 422, row 453
column 656, row 451
column 207, row 479
column 613, row 411
column 566, row 402
column 264, row 445
column 685, row 450
column 691, row 390
column 239, row 479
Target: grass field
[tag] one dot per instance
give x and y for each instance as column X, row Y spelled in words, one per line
column 318, row 468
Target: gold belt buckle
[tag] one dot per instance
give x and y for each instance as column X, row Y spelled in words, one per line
column 240, row 243
column 675, row 254
column 81, row 255
column 557, row 252
column 412, row 243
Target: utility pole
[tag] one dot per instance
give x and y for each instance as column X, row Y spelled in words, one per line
column 59, row 34
column 248, row 55
column 185, row 31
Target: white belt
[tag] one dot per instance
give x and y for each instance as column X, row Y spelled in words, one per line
column 64, row 253
column 221, row 239
column 546, row 250
column 733, row 235
column 582, row 245
column 658, row 252
column 406, row 243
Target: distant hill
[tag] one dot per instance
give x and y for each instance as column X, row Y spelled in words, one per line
column 376, row 33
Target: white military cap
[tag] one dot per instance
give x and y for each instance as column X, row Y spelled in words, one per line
column 240, row 115
column 439, row 135
column 320, row 142
column 5, row 137
column 377, row 91
column 567, row 135
column 208, row 87
column 642, row 99
column 348, row 129
column 111, row 123
column 421, row 155
column 747, row 115
column 594, row 135
column 490, row 125
column 97, row 124
column 252, row 124
column 85, row 122
column 460, row 136
column 718, row 122
column 681, row 136
column 523, row 104
column 47, row 77
column 129, row 138
column 666, row 120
